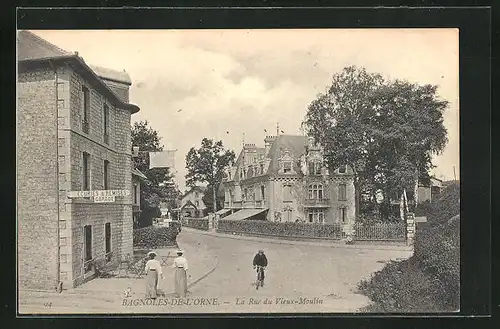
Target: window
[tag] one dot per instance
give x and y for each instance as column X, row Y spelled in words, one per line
column 197, row 203
column 87, row 232
column 342, row 192
column 316, row 216
column 106, row 123
column 196, row 194
column 317, row 168
column 343, row 214
column 107, row 235
column 86, row 171
column 316, row 191
column 311, row 168
column 343, row 169
column 287, row 167
column 261, row 169
column 136, row 194
column 86, row 109
column 106, row 174
column 263, row 192
column 287, row 193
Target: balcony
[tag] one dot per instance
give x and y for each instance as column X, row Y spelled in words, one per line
column 248, row 204
column 317, row 203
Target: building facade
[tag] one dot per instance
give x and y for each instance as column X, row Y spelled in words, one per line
column 137, row 177
column 192, row 204
column 288, row 181
column 73, row 139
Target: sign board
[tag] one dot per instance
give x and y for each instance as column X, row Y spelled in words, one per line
column 422, row 219
column 98, row 193
column 104, row 199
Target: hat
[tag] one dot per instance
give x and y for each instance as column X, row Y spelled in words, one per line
column 180, row 251
column 260, row 250
column 151, row 253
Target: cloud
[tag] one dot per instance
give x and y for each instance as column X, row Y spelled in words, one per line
column 245, row 81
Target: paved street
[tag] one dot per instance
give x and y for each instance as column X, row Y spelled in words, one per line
column 300, row 278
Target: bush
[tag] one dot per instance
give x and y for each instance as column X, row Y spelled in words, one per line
column 284, row 229
column 197, row 223
column 430, row 280
column 153, row 237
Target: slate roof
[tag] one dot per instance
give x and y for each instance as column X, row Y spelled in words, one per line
column 201, row 189
column 295, row 144
column 33, row 51
column 31, row 46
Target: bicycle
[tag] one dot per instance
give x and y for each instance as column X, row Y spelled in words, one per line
column 260, row 277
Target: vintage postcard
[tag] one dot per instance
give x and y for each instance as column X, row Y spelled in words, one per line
column 238, row 171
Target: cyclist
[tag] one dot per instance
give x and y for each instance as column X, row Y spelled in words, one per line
column 260, row 259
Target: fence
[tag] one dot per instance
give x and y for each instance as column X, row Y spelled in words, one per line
column 363, row 232
column 197, row 223
column 380, row 232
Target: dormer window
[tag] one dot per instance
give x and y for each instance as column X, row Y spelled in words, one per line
column 343, row 169
column 287, row 167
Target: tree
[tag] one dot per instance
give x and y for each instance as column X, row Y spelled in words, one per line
column 386, row 132
column 207, row 164
column 208, row 198
column 340, row 119
column 158, row 187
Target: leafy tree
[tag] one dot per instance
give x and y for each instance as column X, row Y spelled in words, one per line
column 208, row 198
column 158, row 187
column 207, row 164
column 386, row 132
column 340, row 120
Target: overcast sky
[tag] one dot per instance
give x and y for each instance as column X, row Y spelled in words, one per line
column 245, row 81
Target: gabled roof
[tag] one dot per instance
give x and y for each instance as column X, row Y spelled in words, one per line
column 31, row 46
column 33, row 51
column 189, row 204
column 201, row 189
column 295, row 144
column 138, row 173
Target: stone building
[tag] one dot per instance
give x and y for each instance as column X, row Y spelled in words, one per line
column 287, row 181
column 74, row 181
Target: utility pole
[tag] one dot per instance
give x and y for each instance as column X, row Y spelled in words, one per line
column 277, row 128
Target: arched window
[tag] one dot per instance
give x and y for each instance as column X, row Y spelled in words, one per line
column 316, row 191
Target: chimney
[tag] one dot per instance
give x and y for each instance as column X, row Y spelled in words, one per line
column 268, row 142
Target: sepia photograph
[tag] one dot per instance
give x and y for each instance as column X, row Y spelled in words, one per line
column 210, row 171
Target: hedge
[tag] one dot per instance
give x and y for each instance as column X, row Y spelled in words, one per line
column 153, row 237
column 429, row 280
column 197, row 223
column 283, row 229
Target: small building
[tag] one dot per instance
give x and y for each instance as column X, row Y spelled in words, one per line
column 137, row 177
column 430, row 191
column 192, row 204
column 287, row 181
column 74, row 162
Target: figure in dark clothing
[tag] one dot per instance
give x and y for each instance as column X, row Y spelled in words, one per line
column 260, row 259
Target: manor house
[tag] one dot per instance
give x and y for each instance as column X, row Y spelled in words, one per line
column 287, row 181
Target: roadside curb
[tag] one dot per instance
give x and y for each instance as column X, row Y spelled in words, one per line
column 304, row 243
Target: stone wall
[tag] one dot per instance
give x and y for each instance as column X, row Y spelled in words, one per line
column 37, row 190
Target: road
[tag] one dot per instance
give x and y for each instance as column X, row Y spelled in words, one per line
column 299, row 278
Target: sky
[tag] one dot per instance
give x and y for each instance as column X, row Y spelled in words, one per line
column 226, row 84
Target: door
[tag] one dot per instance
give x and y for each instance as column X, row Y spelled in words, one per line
column 87, row 250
